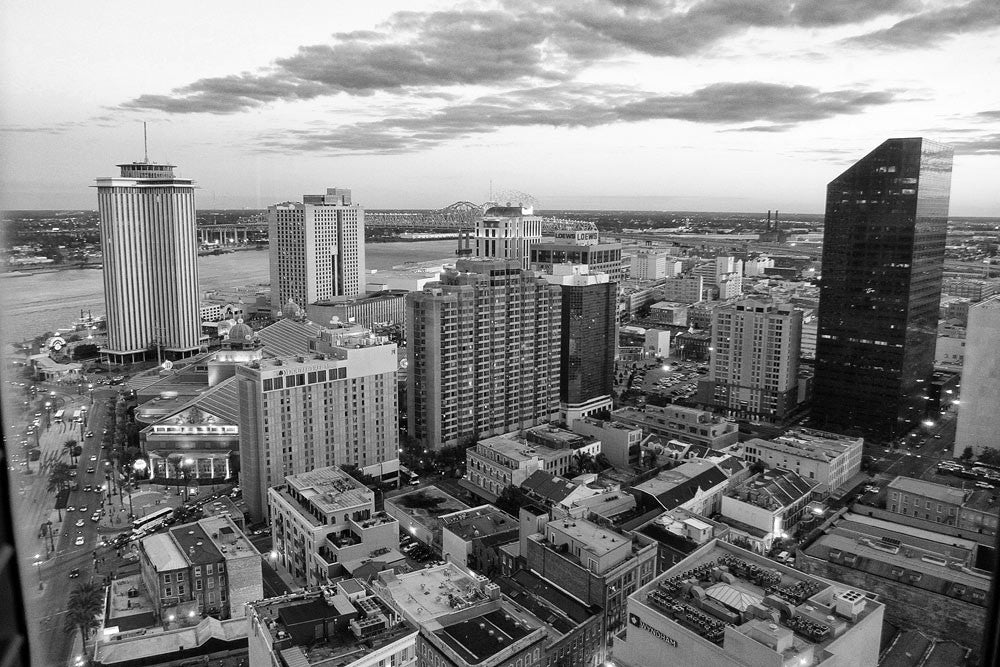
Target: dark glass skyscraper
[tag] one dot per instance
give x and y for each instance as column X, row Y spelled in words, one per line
column 883, row 253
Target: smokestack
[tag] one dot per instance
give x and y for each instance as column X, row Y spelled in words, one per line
column 775, row 219
column 768, row 228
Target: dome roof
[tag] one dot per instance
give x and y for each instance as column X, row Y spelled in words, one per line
column 240, row 332
column 291, row 309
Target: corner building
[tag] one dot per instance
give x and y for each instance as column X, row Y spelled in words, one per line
column 883, row 256
column 483, row 353
column 150, row 246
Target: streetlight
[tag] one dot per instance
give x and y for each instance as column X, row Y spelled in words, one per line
column 38, row 566
column 48, row 414
column 90, row 388
column 186, row 467
column 138, row 466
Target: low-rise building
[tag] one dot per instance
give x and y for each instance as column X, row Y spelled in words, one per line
column 929, row 581
column 341, row 625
column 597, row 565
column 381, row 307
column 765, row 508
column 205, row 568
column 323, row 520
column 471, row 538
column 828, row 458
column 465, row 621
column 723, row 606
column 975, row 510
column 697, row 485
column 579, row 497
column 419, row 512
column 505, row 460
column 676, row 534
column 619, row 442
column 683, row 423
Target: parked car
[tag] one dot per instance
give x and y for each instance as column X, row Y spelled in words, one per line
column 74, row 573
column 79, row 523
column 79, row 541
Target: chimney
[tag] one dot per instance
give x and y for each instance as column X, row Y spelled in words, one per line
column 768, row 228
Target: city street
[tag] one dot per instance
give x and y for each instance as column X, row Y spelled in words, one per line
column 48, row 587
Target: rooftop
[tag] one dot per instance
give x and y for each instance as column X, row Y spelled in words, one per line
column 673, row 488
column 721, row 588
column 163, row 553
column 372, row 625
column 479, row 522
column 330, row 489
column 596, row 539
column 433, row 592
column 194, row 543
column 548, row 486
column 774, row 489
column 478, row 638
column 426, row 505
column 939, row 492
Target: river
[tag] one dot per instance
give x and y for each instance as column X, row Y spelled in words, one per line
column 38, row 302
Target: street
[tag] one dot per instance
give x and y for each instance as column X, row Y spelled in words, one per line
column 49, row 586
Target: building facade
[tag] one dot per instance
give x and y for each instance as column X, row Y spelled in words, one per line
column 150, row 253
column 483, row 353
column 588, row 341
column 582, row 248
column 508, row 232
column 883, row 255
column 827, row 458
column 978, row 417
column 754, row 371
column 335, row 405
column 317, row 249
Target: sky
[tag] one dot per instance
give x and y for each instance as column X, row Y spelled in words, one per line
column 698, row 105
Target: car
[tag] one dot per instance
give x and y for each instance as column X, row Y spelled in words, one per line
column 83, row 510
column 72, row 473
column 95, row 518
column 74, row 573
column 87, row 487
column 79, row 541
column 93, row 457
column 937, row 437
column 88, row 434
column 984, row 485
column 70, row 509
column 79, row 523
column 90, row 469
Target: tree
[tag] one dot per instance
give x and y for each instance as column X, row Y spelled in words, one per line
column 85, row 351
column 512, row 499
column 967, row 454
column 59, row 477
column 582, row 461
column 84, row 604
column 71, row 446
column 990, row 457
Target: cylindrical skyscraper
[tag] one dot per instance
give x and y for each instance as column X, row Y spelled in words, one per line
column 149, row 241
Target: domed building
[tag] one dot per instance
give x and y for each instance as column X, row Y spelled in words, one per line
column 240, row 336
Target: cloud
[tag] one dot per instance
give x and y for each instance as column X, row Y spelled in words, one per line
column 421, row 53
column 934, row 26
column 773, row 107
column 987, row 144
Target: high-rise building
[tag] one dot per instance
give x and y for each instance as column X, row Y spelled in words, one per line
column 589, row 337
column 317, row 249
column 883, row 253
column 508, row 232
column 150, row 247
column 326, row 397
column 483, row 353
column 755, row 360
column 978, row 416
column 579, row 247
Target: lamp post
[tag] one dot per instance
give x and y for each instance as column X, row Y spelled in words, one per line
column 139, row 465
column 38, row 566
column 48, row 414
column 188, row 462
column 90, row 389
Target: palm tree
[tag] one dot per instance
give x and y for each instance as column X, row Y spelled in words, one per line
column 85, row 603
column 582, row 461
column 70, row 445
column 59, row 476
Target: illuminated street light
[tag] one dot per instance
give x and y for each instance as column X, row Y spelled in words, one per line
column 928, row 423
column 38, row 566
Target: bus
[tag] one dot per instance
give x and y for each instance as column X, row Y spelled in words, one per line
column 406, row 476
column 77, row 416
column 58, row 416
column 151, row 521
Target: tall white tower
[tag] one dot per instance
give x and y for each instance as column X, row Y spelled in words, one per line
column 978, row 417
column 150, row 245
column 508, row 232
column 317, row 249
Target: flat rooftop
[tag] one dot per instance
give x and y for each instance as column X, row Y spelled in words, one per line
column 479, row 522
column 338, row 649
column 736, row 590
column 195, row 544
column 426, row 505
column 940, row 492
column 330, row 489
column 478, row 638
column 432, row 592
column 597, row 539
column 163, row 552
column 228, row 537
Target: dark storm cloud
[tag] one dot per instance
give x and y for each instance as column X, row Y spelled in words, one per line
column 526, row 42
column 933, row 26
column 576, row 105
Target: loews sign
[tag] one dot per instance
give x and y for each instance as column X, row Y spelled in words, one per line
column 639, row 623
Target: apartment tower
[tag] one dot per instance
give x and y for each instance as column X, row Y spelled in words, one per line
column 150, row 247
column 317, row 249
column 883, row 254
column 483, row 353
column 754, row 361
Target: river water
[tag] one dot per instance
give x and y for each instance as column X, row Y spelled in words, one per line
column 40, row 302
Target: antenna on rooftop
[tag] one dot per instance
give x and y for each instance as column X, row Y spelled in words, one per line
column 145, row 145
